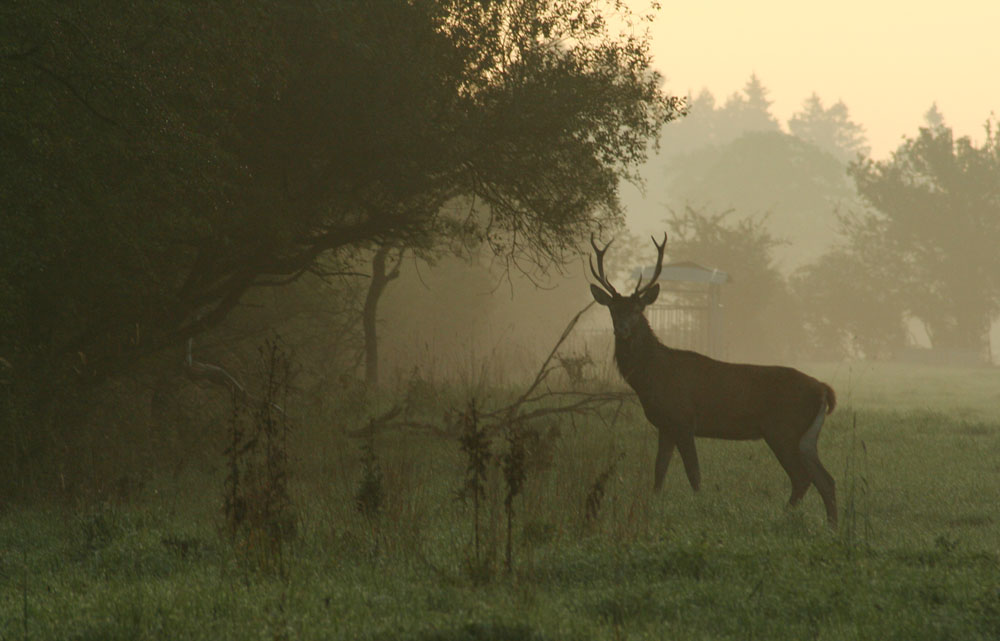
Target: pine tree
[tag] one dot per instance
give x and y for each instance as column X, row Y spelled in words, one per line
column 829, row 129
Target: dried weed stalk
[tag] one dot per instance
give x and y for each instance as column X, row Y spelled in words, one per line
column 257, row 506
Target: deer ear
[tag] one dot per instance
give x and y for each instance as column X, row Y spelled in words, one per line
column 650, row 295
column 600, row 295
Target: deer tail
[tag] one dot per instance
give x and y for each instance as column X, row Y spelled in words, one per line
column 831, row 398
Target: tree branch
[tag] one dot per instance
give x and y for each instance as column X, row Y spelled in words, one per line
column 69, row 87
column 581, row 403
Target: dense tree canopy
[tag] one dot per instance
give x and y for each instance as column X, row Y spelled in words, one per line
column 160, row 159
column 936, row 219
column 922, row 248
column 850, row 305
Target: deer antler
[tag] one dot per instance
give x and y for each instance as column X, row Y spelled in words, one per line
column 659, row 265
column 601, row 278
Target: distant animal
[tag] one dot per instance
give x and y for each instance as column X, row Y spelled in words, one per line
column 574, row 366
column 685, row 394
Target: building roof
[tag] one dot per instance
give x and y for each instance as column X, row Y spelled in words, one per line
column 686, row 272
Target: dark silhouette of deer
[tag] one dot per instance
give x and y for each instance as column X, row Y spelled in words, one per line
column 685, row 394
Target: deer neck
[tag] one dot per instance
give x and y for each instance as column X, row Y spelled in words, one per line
column 634, row 353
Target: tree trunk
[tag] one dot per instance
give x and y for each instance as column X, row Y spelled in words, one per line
column 380, row 278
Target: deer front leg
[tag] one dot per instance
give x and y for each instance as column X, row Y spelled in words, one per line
column 663, row 452
column 689, row 455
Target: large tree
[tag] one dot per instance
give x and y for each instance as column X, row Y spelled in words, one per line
column 850, row 303
column 161, row 159
column 936, row 202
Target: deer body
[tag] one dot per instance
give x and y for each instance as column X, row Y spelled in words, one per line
column 686, row 395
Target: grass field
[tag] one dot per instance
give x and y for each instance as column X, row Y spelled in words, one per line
column 915, row 451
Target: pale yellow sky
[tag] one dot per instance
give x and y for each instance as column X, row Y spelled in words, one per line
column 887, row 60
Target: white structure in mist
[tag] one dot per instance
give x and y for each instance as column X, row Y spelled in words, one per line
column 688, row 312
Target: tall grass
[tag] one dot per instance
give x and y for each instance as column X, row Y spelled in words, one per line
column 856, row 526
column 259, row 517
column 916, row 558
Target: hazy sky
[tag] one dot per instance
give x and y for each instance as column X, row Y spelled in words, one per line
column 887, row 60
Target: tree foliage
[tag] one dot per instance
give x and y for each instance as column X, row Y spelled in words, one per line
column 850, row 305
column 923, row 249
column 160, row 160
column 936, row 205
column 735, row 156
column 797, row 185
column 712, row 124
column 831, row 129
column 751, row 110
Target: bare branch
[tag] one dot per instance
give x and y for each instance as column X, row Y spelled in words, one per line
column 76, row 94
column 581, row 402
column 218, row 375
column 545, row 369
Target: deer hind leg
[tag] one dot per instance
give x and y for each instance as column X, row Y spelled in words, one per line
column 788, row 455
column 663, row 452
column 689, row 456
column 809, row 454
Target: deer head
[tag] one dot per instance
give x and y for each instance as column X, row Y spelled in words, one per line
column 626, row 311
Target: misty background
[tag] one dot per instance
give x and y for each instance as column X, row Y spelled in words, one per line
column 407, row 200
column 297, row 335
column 832, row 254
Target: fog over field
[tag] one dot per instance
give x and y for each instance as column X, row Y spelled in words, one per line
column 824, row 85
column 448, row 320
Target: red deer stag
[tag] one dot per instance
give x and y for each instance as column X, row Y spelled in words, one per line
column 685, row 394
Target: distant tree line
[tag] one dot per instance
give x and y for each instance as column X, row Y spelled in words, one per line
column 856, row 249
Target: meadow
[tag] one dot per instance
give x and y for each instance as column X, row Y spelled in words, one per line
column 380, row 541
